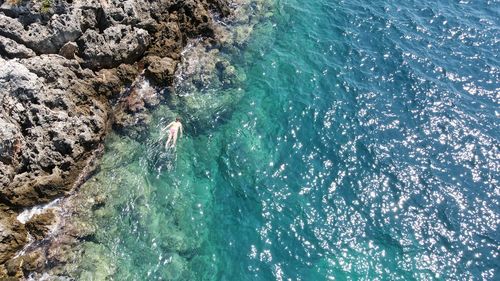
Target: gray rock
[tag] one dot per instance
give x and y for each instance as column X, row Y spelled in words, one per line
column 45, row 39
column 7, row 173
column 16, row 78
column 117, row 44
column 11, row 28
column 51, row 123
column 10, row 137
column 11, row 49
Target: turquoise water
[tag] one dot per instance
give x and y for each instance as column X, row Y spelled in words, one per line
column 364, row 146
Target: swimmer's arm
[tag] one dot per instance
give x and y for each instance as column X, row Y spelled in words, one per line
column 181, row 130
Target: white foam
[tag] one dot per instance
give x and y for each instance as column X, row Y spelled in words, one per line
column 27, row 214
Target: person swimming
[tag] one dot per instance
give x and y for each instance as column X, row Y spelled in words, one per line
column 175, row 127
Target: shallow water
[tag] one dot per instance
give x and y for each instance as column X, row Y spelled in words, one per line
column 365, row 146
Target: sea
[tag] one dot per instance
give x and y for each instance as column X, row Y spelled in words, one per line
column 361, row 143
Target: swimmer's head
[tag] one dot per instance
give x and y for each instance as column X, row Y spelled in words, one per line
column 178, row 119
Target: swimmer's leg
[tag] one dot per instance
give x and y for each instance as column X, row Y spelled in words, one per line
column 168, row 141
column 175, row 139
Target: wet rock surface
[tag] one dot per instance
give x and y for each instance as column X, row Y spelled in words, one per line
column 13, row 236
column 40, row 224
column 70, row 71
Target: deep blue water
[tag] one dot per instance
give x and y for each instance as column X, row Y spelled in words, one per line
column 365, row 147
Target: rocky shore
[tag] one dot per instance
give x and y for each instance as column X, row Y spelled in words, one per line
column 69, row 72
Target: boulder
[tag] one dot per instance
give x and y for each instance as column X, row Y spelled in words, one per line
column 42, row 38
column 116, row 45
column 69, row 50
column 161, row 70
column 11, row 49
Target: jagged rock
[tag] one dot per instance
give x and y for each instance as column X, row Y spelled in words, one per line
column 10, row 140
column 127, row 73
column 117, row 44
column 7, row 173
column 12, row 28
column 168, row 39
column 161, row 70
column 108, row 83
column 27, row 189
column 131, row 116
column 45, row 39
column 221, row 6
column 11, row 49
column 58, row 121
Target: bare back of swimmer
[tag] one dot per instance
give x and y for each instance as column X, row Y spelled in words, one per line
column 174, row 128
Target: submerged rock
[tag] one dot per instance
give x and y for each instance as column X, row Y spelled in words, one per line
column 40, row 224
column 13, row 236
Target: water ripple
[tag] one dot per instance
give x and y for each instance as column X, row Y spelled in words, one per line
column 385, row 164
